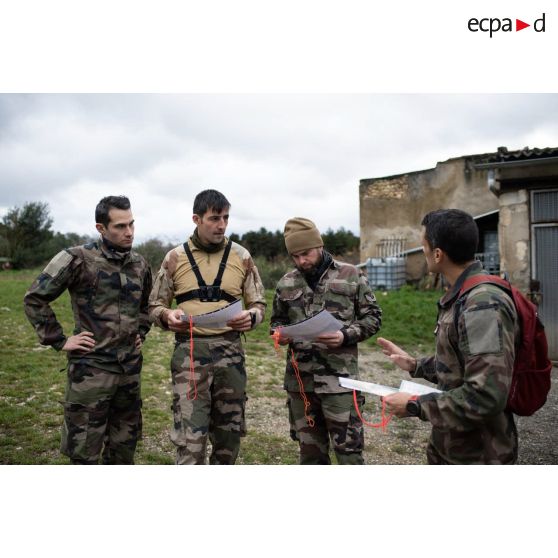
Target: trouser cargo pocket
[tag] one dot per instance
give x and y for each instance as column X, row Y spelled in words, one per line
column 83, row 430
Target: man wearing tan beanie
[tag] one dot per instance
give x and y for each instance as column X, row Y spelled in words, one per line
column 301, row 234
column 320, row 409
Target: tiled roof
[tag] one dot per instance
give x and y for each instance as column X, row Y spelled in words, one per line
column 525, row 154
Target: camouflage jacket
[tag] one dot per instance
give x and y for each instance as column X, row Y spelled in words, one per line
column 473, row 367
column 240, row 279
column 343, row 291
column 109, row 294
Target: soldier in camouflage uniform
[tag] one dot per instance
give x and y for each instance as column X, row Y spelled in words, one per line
column 319, row 408
column 473, row 362
column 109, row 286
column 212, row 402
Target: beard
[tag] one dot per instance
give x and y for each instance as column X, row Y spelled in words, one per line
column 311, row 270
column 308, row 270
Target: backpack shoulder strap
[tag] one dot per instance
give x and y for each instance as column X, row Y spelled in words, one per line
column 470, row 283
column 475, row 280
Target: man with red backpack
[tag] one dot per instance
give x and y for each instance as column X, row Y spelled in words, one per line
column 478, row 336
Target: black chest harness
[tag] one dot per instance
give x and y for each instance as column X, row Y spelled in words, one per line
column 204, row 292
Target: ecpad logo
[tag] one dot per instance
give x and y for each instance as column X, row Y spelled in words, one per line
column 494, row 24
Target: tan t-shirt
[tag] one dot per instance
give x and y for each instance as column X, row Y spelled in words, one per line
column 240, row 279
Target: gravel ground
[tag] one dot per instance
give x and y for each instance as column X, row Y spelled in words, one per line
column 538, row 434
column 404, row 440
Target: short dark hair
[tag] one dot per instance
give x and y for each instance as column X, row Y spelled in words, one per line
column 454, row 232
column 106, row 204
column 210, row 199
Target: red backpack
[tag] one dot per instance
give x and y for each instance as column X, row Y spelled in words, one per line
column 531, row 368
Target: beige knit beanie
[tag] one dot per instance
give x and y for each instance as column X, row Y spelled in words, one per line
column 301, row 234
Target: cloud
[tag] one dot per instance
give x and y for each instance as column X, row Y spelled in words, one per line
column 273, row 156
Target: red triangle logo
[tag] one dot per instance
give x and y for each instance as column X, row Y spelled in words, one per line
column 519, row 25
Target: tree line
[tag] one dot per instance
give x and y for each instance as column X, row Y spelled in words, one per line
column 27, row 240
column 271, row 245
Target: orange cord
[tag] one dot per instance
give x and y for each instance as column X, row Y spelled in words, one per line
column 309, row 419
column 276, row 335
column 382, row 424
column 192, row 379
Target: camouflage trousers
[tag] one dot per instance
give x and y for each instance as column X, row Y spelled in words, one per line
column 101, row 408
column 335, row 419
column 214, row 405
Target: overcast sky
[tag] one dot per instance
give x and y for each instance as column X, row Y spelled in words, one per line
column 273, row 156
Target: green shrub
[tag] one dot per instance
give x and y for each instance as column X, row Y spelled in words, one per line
column 408, row 317
column 272, row 271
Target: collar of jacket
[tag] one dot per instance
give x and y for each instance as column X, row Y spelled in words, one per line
column 449, row 298
column 111, row 252
column 208, row 248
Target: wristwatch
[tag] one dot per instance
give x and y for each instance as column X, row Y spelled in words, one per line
column 413, row 407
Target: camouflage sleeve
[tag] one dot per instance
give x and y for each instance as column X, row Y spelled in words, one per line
column 279, row 312
column 162, row 293
column 426, row 368
column 253, row 291
column 144, row 322
column 486, row 332
column 48, row 286
column 368, row 315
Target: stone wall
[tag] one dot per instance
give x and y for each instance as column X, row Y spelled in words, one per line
column 394, row 206
column 514, row 235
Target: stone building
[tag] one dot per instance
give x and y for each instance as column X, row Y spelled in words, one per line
column 513, row 196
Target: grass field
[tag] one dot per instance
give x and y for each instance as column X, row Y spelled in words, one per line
column 32, row 380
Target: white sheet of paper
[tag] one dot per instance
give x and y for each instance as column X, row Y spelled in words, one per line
column 367, row 387
column 306, row 330
column 377, row 389
column 218, row 318
column 416, row 389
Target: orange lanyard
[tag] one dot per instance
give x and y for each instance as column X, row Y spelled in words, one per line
column 276, row 336
column 384, row 421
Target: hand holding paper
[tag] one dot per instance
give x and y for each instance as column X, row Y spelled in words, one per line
column 281, row 339
column 241, row 322
column 177, row 321
column 220, row 318
column 330, row 340
column 312, row 328
column 396, row 404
